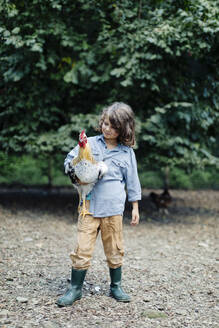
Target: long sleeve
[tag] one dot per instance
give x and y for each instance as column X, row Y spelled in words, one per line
column 132, row 180
column 73, row 153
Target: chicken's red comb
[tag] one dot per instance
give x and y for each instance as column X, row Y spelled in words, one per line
column 82, row 139
column 82, row 133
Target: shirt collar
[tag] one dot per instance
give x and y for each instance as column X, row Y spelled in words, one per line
column 120, row 146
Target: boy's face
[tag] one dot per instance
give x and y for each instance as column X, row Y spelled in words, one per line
column 108, row 131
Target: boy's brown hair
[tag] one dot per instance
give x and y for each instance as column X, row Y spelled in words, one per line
column 121, row 118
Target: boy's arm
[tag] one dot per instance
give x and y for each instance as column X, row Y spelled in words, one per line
column 135, row 213
column 133, row 188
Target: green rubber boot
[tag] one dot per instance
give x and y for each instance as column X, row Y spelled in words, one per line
column 116, row 290
column 74, row 292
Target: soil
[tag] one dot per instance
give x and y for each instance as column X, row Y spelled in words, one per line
column 170, row 264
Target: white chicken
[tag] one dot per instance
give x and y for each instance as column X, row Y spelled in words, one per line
column 84, row 172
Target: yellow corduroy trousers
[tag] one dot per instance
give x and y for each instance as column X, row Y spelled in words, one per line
column 112, row 238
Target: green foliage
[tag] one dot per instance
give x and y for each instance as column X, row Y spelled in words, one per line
column 61, row 61
column 22, row 170
column 179, row 134
column 205, row 179
column 180, row 179
column 151, row 179
column 30, row 170
column 65, row 138
column 197, row 179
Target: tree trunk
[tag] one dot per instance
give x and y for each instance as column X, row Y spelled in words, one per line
column 49, row 172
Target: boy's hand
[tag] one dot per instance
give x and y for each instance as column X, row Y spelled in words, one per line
column 135, row 214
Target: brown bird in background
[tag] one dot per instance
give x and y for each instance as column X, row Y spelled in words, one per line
column 161, row 201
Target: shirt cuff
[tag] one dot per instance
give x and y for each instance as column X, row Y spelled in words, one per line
column 134, row 199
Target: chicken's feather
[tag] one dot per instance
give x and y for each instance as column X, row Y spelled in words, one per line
column 84, row 154
column 85, row 171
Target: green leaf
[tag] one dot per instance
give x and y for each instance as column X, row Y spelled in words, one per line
column 71, row 76
column 118, row 72
column 16, row 30
column 37, row 47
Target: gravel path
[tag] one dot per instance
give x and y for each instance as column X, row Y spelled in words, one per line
column 170, row 267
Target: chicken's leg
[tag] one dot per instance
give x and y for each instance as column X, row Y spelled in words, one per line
column 84, row 211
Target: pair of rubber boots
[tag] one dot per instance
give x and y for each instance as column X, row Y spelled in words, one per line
column 74, row 292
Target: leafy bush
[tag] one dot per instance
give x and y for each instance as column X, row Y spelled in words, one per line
column 205, row 179
column 197, row 179
column 180, row 180
column 34, row 171
column 150, row 179
column 62, row 60
column 23, row 170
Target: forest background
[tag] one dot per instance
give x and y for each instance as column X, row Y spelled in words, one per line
column 62, row 61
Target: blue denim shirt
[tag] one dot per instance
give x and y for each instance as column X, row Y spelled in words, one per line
column 109, row 194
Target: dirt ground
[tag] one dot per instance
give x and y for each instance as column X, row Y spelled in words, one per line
column 170, row 265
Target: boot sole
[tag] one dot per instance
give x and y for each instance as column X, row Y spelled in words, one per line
column 64, row 305
column 123, row 301
column 120, row 300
